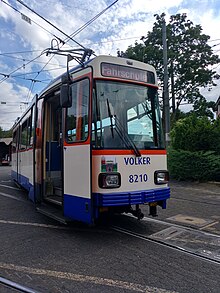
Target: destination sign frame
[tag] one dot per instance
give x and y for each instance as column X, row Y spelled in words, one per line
column 126, row 72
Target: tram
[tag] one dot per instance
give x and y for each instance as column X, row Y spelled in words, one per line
column 92, row 143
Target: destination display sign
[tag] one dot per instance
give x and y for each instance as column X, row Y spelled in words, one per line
column 125, row 72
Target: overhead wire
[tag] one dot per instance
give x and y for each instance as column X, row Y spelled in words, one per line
column 15, row 9
column 34, row 72
column 91, row 20
column 20, row 68
column 78, row 30
column 63, row 42
column 35, row 80
column 21, row 52
column 30, row 90
column 75, row 32
column 22, row 59
column 215, row 45
column 6, row 76
column 37, row 76
column 31, row 51
column 70, row 37
column 47, row 21
column 112, row 41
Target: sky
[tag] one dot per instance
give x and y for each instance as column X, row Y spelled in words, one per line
column 25, row 70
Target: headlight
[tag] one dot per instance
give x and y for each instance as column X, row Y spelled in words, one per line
column 109, row 180
column 161, row 177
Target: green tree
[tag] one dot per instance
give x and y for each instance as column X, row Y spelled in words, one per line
column 5, row 133
column 177, row 115
column 189, row 57
column 202, row 108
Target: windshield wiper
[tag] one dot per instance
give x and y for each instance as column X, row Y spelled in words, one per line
column 121, row 131
column 110, row 116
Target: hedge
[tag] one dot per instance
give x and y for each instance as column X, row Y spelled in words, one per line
column 194, row 166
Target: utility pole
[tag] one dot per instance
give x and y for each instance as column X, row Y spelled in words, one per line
column 165, row 86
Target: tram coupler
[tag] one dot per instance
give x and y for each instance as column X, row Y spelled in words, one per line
column 137, row 212
column 153, row 209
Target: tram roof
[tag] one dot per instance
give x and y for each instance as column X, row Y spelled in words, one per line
column 99, row 59
column 91, row 62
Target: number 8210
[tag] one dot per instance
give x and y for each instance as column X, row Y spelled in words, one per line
column 137, row 178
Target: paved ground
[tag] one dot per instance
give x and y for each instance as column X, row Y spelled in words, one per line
column 198, row 202
column 39, row 253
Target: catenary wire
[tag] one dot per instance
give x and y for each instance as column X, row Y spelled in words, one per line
column 22, row 59
column 15, row 9
column 3, row 79
column 69, row 37
column 91, row 20
column 47, row 21
column 73, row 34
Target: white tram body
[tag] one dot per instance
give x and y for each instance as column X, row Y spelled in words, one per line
column 93, row 143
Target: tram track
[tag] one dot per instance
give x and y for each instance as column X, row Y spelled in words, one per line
column 207, row 256
column 177, row 248
column 8, row 284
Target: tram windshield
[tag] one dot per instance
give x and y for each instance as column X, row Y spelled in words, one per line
column 126, row 116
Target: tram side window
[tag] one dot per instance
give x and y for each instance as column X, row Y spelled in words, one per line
column 24, row 136
column 77, row 115
column 30, row 128
column 14, row 141
column 26, row 139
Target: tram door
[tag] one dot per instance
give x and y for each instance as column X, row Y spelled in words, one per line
column 77, row 153
column 52, row 151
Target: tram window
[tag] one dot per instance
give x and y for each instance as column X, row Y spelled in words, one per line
column 77, row 115
column 15, row 141
column 140, row 125
column 32, row 127
column 29, row 132
column 24, row 136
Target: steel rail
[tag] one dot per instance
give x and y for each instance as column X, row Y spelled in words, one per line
column 162, row 243
column 173, row 224
column 16, row 286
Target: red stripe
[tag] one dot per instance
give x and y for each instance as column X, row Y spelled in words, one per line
column 128, row 152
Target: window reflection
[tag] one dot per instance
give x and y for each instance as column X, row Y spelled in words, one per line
column 77, row 114
column 136, row 108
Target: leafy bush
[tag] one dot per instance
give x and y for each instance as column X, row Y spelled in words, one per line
column 196, row 134
column 199, row 166
column 195, row 149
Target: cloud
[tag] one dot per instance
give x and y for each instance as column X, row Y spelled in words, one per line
column 127, row 20
column 14, row 97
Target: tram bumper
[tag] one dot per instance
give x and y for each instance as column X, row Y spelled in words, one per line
column 159, row 195
column 123, row 202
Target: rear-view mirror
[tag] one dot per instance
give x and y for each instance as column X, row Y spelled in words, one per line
column 65, row 96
